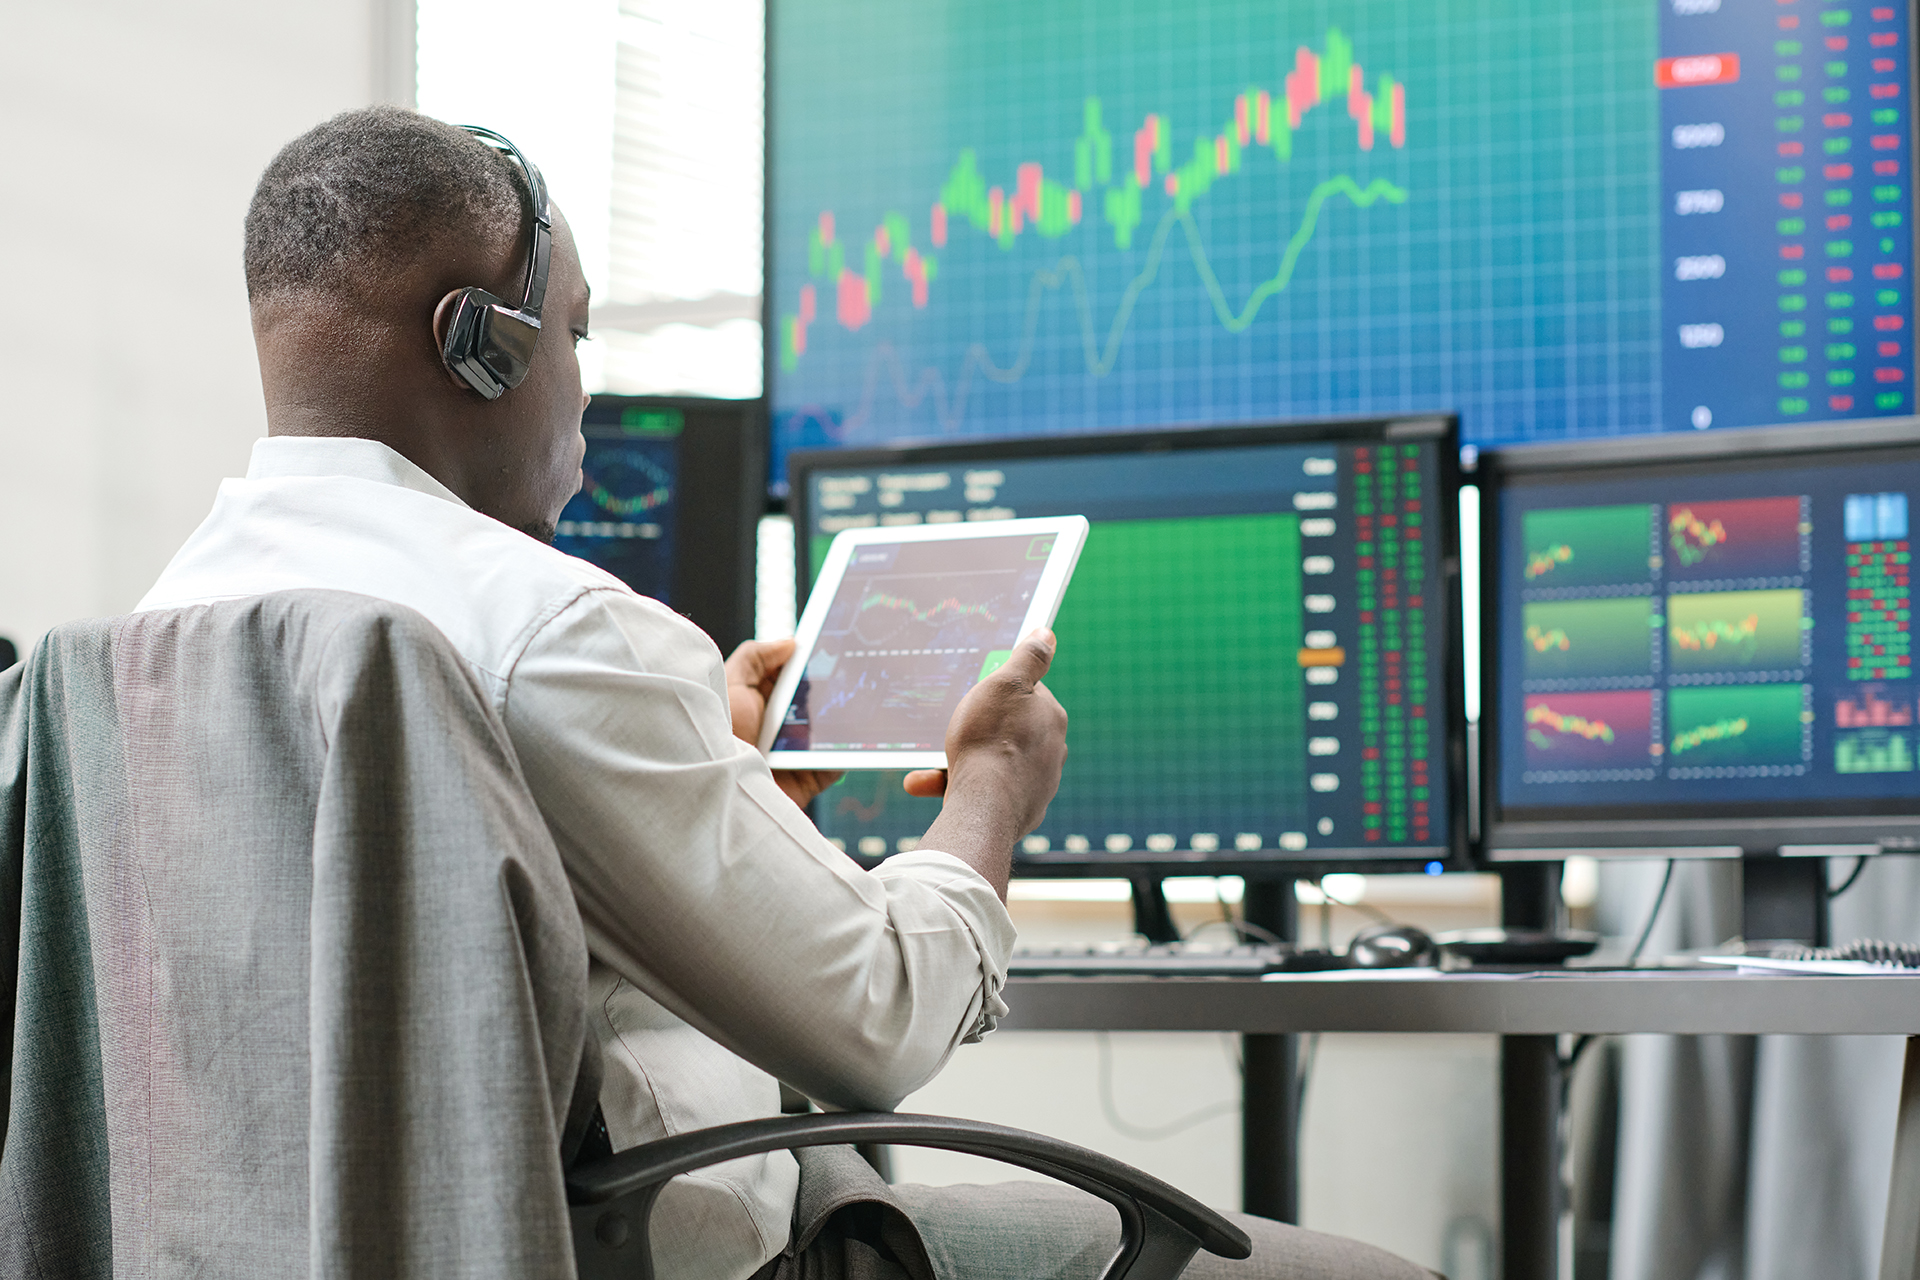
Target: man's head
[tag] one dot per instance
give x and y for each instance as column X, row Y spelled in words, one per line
column 360, row 232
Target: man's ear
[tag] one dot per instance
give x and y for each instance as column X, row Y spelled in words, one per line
column 442, row 317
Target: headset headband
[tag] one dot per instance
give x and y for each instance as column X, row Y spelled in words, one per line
column 535, row 293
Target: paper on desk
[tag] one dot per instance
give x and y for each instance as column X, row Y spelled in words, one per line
column 1766, row 964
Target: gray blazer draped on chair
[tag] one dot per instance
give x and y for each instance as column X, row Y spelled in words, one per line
column 291, row 978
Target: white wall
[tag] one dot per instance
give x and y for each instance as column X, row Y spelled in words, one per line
column 136, row 134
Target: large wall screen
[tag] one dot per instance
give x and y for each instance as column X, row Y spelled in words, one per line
column 1559, row 218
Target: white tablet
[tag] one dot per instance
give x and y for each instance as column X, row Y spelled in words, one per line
column 901, row 623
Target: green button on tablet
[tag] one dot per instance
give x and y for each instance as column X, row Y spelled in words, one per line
column 996, row 658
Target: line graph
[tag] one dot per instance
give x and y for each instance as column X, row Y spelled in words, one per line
column 1587, row 639
column 1040, row 205
column 1737, row 538
column 1099, row 355
column 952, row 607
column 1569, row 724
column 1592, row 730
column 1692, row 538
column 1541, row 563
column 626, row 482
column 1700, row 735
column 1737, row 726
column 1723, row 630
column 1711, row 633
column 1546, row 639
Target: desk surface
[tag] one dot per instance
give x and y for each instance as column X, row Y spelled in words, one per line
column 1682, row 1002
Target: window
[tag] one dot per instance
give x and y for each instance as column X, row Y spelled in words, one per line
column 646, row 117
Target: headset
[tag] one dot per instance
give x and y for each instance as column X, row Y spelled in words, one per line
column 489, row 344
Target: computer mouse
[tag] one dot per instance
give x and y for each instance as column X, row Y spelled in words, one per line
column 1391, row 946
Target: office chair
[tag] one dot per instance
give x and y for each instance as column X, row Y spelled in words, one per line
column 289, row 967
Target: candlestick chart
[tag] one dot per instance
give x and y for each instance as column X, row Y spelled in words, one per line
column 995, row 219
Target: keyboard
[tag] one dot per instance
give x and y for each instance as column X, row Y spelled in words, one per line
column 1166, row 960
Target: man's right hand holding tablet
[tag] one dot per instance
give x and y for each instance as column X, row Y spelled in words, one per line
column 1005, row 748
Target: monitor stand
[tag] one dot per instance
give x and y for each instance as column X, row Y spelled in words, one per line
column 1532, row 928
column 1151, row 918
column 1784, row 900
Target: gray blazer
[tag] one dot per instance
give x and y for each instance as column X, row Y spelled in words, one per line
column 291, row 979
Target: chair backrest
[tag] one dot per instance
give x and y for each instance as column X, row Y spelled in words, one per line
column 291, row 975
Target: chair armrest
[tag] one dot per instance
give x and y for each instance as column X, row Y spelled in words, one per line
column 1161, row 1227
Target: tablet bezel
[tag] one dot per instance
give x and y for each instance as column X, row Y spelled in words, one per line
column 1070, row 535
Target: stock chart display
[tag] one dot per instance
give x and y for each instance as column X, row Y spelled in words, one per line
column 1252, row 652
column 913, row 626
column 1559, row 218
column 623, row 517
column 1733, row 633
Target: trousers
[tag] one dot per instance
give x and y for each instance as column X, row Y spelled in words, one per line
column 864, row 1229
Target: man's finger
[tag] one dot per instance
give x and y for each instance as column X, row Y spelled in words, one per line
column 752, row 661
column 1031, row 657
column 928, row 784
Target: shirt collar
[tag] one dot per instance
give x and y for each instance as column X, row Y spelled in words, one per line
column 308, row 457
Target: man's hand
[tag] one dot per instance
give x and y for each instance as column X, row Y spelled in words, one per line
column 751, row 672
column 1006, row 745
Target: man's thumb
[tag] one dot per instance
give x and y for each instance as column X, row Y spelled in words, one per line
column 1033, row 655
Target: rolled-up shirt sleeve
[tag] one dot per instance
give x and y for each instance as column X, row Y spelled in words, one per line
column 702, row 884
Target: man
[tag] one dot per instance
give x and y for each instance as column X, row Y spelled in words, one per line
column 732, row 945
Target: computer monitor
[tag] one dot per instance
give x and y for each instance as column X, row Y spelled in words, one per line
column 672, row 494
column 1701, row 646
column 1257, row 652
column 1560, row 219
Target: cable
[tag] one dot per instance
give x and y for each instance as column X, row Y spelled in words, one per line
column 1646, row 931
column 1241, row 928
column 1326, row 909
column 1859, row 865
column 1147, row 1133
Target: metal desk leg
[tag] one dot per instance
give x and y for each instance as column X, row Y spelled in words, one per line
column 1530, row 1157
column 1900, row 1246
column 1269, row 1130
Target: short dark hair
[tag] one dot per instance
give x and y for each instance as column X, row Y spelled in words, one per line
column 370, row 189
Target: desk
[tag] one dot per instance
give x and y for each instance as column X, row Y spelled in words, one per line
column 1528, row 1011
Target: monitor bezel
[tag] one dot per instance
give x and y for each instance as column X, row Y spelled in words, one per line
column 1443, row 429
column 1621, row 831
column 721, row 496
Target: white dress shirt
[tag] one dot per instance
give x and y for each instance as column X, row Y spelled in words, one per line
column 731, row 943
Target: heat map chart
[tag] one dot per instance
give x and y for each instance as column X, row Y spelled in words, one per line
column 1002, row 219
column 1589, row 546
column 1607, row 733
column 1742, row 538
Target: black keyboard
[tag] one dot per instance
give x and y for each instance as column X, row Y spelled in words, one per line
column 1166, row 960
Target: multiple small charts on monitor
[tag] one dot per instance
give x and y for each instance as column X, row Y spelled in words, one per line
column 911, row 624
column 1700, row 638
column 1253, row 652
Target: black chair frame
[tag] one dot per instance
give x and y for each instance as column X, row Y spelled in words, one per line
column 1161, row 1227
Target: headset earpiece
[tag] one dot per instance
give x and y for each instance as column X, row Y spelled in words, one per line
column 489, row 342
column 489, row 345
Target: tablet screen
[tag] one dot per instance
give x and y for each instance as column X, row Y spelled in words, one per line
column 911, row 628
